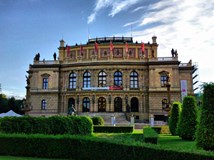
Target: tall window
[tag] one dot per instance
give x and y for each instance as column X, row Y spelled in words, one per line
column 163, row 79
column 45, row 83
column 86, row 104
column 72, row 80
column 86, row 80
column 118, row 78
column 134, row 80
column 43, row 104
column 102, row 79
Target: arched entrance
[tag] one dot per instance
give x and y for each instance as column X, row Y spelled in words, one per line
column 71, row 103
column 101, row 104
column 134, row 105
column 117, row 104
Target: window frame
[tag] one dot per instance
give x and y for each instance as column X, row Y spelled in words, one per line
column 102, row 79
column 134, row 80
column 118, row 79
column 72, row 80
column 87, row 79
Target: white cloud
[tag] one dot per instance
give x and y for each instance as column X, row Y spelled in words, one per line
column 116, row 5
column 184, row 25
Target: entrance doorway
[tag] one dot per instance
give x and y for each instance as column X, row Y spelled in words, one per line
column 117, row 104
column 71, row 103
column 101, row 104
column 134, row 105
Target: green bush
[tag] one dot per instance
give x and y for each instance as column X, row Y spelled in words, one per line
column 113, row 129
column 51, row 125
column 150, row 135
column 173, row 121
column 187, row 123
column 205, row 132
column 98, row 120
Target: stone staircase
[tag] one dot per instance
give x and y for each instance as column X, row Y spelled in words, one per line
column 119, row 117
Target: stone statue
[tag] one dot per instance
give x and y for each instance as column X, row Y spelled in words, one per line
column 173, row 52
column 54, row 56
column 27, row 80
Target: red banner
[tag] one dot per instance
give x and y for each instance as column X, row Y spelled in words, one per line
column 115, row 88
column 96, row 47
column 142, row 47
column 68, row 50
column 111, row 46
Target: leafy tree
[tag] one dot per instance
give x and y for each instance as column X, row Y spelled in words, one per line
column 205, row 132
column 187, row 123
column 4, row 104
column 173, row 121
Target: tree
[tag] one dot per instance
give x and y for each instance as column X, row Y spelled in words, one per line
column 205, row 132
column 173, row 121
column 187, row 123
column 4, row 104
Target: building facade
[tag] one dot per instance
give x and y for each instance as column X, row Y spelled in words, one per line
column 110, row 74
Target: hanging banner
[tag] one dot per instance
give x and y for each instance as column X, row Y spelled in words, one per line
column 183, row 89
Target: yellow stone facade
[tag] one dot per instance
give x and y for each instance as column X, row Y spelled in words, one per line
column 51, row 90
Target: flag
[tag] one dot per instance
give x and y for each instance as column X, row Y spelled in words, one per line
column 68, row 50
column 142, row 47
column 111, row 46
column 96, row 47
column 81, row 50
column 127, row 47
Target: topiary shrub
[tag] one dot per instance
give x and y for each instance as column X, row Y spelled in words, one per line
column 150, row 135
column 173, row 121
column 205, row 132
column 187, row 123
column 98, row 120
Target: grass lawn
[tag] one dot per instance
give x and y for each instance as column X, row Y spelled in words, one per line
column 22, row 158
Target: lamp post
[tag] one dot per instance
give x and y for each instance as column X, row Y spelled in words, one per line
column 167, row 109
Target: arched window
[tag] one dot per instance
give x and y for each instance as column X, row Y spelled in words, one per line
column 72, row 80
column 134, row 80
column 86, row 104
column 86, row 80
column 118, row 78
column 102, row 79
column 43, row 104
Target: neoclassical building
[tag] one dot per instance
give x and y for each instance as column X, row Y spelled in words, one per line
column 110, row 74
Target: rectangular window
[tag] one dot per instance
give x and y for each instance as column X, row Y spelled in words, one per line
column 163, row 81
column 45, row 83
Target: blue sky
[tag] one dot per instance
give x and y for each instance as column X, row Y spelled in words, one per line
column 31, row 26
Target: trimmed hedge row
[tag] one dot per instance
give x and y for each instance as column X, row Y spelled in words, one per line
column 51, row 125
column 150, row 135
column 90, row 148
column 113, row 129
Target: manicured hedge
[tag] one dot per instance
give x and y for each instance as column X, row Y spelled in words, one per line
column 157, row 129
column 150, row 135
column 113, row 129
column 98, row 120
column 90, row 148
column 51, row 125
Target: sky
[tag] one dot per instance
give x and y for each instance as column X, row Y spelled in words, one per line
column 31, row 26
